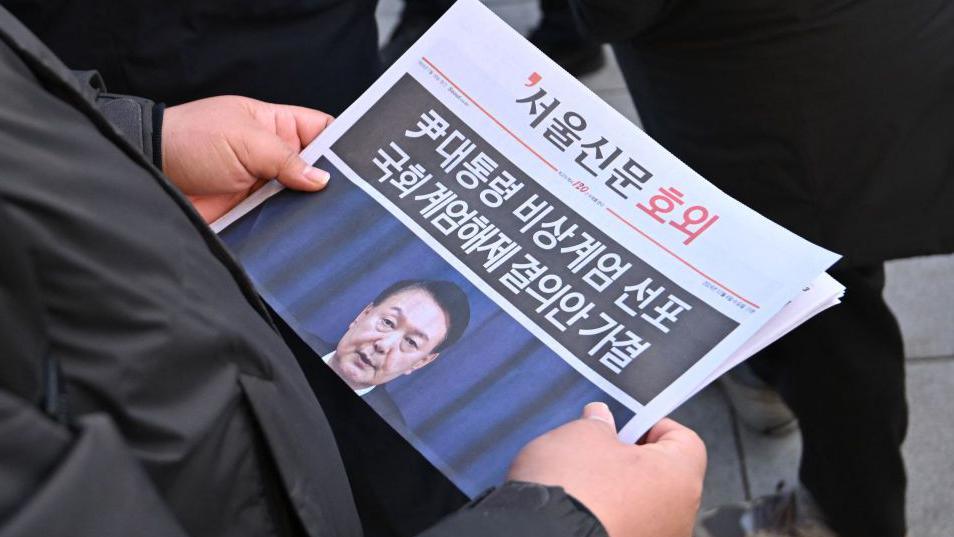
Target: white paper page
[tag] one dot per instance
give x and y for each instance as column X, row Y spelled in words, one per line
column 821, row 294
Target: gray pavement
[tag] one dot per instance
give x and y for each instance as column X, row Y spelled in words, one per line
column 742, row 464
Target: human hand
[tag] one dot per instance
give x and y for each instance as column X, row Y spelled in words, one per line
column 221, row 149
column 650, row 490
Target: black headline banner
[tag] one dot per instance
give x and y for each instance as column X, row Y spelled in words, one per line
column 621, row 317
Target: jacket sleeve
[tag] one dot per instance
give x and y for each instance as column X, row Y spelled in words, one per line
column 59, row 479
column 518, row 509
column 139, row 120
column 81, row 481
column 618, row 20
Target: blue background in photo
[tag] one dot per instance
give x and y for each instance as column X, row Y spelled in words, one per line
column 320, row 258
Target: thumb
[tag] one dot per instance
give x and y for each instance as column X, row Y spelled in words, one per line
column 599, row 412
column 270, row 157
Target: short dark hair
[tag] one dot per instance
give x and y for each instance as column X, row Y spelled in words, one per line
column 449, row 297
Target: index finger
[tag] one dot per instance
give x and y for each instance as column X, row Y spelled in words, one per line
column 672, row 435
column 308, row 122
column 664, row 429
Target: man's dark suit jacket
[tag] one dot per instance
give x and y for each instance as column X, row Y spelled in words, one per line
column 398, row 492
column 379, row 398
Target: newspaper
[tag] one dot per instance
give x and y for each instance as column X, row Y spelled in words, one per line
column 595, row 264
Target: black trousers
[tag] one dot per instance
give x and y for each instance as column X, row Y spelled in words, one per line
column 842, row 373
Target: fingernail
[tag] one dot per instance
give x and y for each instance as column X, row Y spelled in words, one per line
column 317, row 176
column 597, row 405
column 598, row 411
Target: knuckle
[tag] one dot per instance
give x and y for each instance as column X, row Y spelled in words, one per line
column 290, row 163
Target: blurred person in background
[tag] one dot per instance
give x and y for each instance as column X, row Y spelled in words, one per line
column 316, row 53
column 557, row 34
column 833, row 120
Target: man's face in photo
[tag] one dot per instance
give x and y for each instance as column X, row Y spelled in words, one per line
column 390, row 339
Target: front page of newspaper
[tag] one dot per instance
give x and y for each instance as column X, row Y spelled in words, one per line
column 594, row 264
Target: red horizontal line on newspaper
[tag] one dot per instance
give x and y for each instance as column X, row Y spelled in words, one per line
column 554, row 168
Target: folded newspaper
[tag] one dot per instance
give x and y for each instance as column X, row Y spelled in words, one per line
column 498, row 247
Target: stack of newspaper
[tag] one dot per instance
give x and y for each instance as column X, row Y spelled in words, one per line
column 497, row 247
